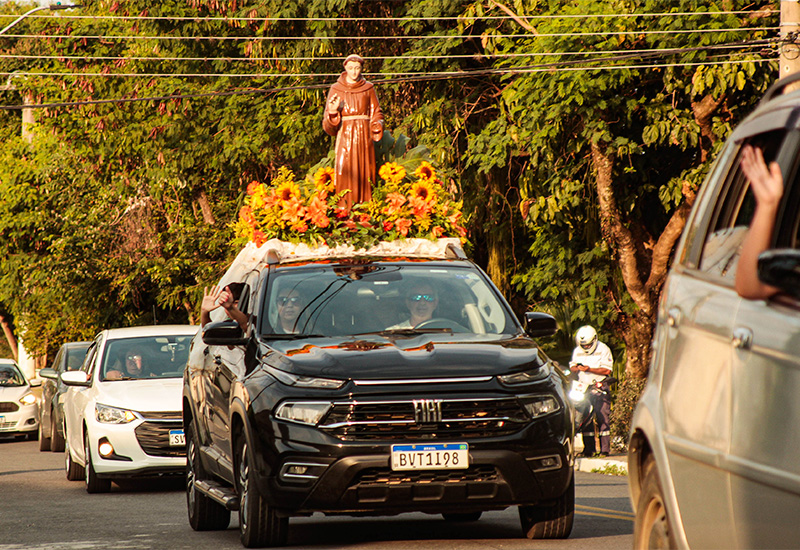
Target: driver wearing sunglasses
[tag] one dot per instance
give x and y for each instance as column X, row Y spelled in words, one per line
column 421, row 301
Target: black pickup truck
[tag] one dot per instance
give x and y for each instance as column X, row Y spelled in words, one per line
column 374, row 385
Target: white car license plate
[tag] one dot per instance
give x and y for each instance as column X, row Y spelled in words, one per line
column 176, row 437
column 430, row 456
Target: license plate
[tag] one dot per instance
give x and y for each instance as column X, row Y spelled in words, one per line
column 176, row 437
column 431, row 456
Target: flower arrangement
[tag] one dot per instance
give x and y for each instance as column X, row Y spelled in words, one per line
column 310, row 211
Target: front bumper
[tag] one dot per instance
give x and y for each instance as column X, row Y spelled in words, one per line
column 140, row 448
column 22, row 421
column 531, row 466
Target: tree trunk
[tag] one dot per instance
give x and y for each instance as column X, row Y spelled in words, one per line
column 496, row 238
column 10, row 338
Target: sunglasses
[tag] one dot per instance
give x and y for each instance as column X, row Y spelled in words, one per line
column 283, row 300
column 420, row 297
column 133, row 357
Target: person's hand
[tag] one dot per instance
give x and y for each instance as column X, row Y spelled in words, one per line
column 765, row 181
column 211, row 298
column 226, row 298
column 113, row 375
column 583, row 368
column 335, row 104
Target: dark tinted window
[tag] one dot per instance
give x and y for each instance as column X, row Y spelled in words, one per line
column 146, row 357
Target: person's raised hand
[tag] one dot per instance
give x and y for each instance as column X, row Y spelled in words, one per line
column 765, row 181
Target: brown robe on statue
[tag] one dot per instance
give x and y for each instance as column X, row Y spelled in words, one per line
column 355, row 127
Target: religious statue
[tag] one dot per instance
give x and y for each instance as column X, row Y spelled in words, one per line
column 353, row 115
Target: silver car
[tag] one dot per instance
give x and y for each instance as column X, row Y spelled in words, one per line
column 713, row 453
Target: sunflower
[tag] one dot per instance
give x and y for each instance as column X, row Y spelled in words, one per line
column 424, row 190
column 287, row 191
column 324, row 179
column 425, row 171
column 391, row 172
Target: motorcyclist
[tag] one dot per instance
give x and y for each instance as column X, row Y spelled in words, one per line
column 592, row 361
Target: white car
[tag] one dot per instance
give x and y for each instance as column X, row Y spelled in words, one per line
column 122, row 410
column 19, row 413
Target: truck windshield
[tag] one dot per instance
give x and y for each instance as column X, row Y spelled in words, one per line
column 335, row 300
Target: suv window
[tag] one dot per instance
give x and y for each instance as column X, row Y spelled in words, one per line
column 732, row 215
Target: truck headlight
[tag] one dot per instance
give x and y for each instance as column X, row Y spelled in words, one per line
column 305, row 413
column 525, row 377
column 305, row 381
column 113, row 415
column 540, row 405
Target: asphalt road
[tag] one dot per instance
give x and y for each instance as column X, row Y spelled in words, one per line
column 40, row 509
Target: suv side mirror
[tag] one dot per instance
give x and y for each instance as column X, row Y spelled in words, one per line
column 224, row 333
column 539, row 324
column 781, row 268
column 76, row 378
column 48, row 373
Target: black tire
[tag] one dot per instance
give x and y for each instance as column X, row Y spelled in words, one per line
column 259, row 524
column 462, row 517
column 56, row 439
column 94, row 484
column 550, row 521
column 75, row 471
column 652, row 528
column 205, row 514
column 44, row 442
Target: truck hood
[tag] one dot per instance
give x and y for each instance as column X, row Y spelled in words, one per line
column 425, row 356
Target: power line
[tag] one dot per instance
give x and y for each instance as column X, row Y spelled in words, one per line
column 409, row 77
column 339, row 59
column 765, row 12
column 398, row 37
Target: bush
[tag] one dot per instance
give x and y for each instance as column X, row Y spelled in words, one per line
column 622, row 411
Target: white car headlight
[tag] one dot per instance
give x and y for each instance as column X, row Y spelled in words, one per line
column 540, row 405
column 305, row 413
column 305, row 381
column 113, row 415
column 28, row 399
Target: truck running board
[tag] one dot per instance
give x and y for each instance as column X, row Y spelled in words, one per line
column 225, row 496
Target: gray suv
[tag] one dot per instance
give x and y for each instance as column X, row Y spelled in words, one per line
column 713, row 453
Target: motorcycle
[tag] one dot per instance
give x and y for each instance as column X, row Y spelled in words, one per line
column 579, row 396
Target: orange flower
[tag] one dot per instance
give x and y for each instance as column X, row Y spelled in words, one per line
column 350, row 224
column 252, row 186
column 403, row 225
column 341, row 212
column 317, row 209
column 395, row 201
column 387, row 226
column 437, row 231
column 246, row 215
column 363, row 221
column 425, row 172
column 454, row 217
column 293, row 210
column 422, row 208
column 259, row 238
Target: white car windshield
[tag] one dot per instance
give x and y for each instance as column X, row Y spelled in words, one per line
column 146, row 357
column 376, row 297
column 10, row 376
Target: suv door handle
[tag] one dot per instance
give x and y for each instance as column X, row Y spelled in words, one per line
column 742, row 338
column 674, row 317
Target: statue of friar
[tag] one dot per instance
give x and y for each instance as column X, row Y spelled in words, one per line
column 353, row 115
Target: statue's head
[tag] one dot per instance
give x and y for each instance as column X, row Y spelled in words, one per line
column 352, row 66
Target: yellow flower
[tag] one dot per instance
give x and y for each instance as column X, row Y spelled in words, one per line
column 391, row 172
column 425, row 171
column 423, row 190
column 287, row 191
column 324, row 180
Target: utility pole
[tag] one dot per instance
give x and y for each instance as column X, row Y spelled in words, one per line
column 790, row 28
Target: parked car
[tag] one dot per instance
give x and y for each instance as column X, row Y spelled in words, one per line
column 19, row 413
column 122, row 411
column 70, row 356
column 334, row 401
column 713, row 448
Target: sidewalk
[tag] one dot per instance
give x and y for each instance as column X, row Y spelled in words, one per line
column 615, row 461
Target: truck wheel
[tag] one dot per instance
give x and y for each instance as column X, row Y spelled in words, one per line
column 550, row 521
column 204, row 513
column 259, row 524
column 94, row 484
column 44, row 442
column 56, row 439
column 652, row 528
column 75, row 471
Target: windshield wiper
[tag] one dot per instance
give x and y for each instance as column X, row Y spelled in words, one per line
column 291, row 336
column 412, row 331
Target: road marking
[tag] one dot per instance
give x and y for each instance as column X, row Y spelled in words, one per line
column 603, row 512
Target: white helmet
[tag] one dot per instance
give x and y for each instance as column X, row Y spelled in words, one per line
column 586, row 338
